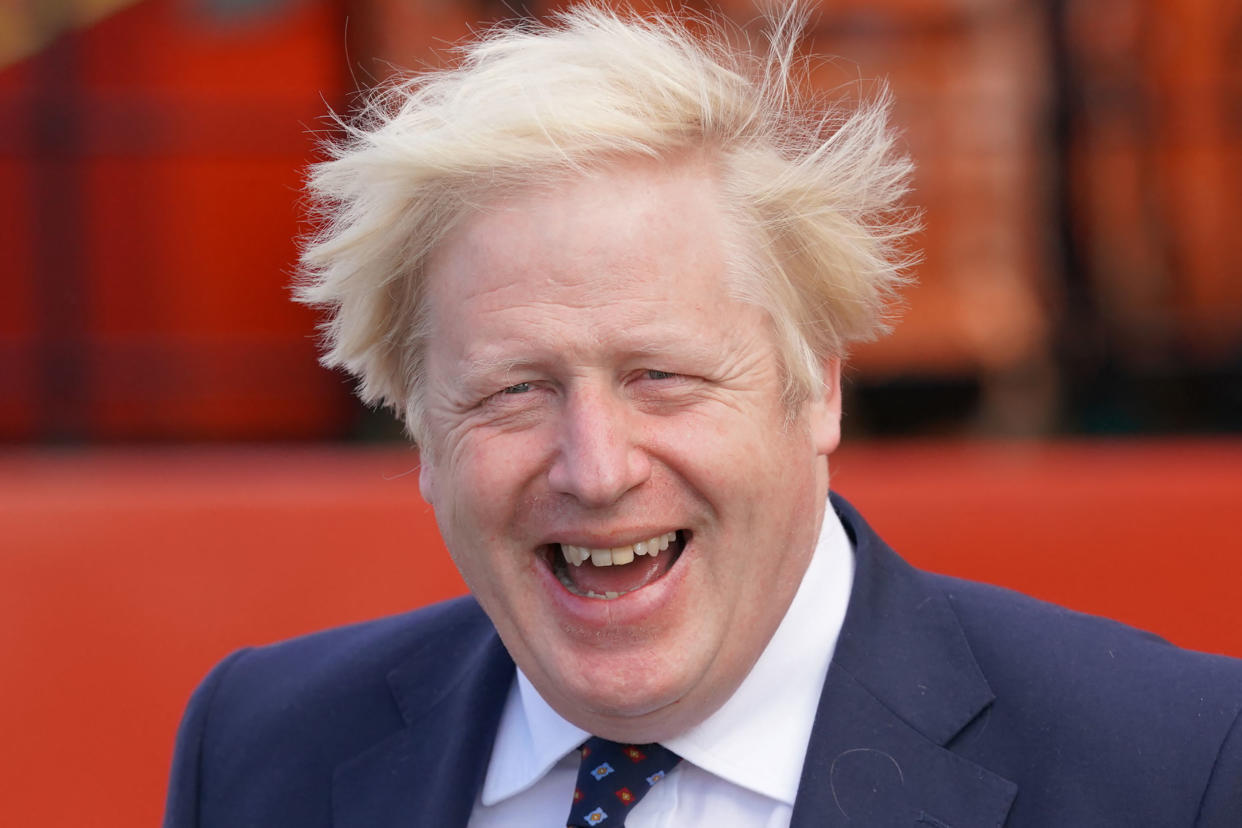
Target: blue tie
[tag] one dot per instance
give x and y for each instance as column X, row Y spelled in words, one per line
column 612, row 778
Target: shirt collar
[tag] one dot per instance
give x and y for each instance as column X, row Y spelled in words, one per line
column 747, row 741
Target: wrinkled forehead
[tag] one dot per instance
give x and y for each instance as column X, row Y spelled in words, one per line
column 579, row 230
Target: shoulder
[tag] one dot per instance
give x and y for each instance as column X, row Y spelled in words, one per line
column 265, row 730
column 1094, row 721
column 1032, row 650
column 1086, row 703
column 1030, row 643
column 335, row 661
column 347, row 666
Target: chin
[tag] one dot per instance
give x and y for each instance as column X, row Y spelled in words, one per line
column 627, row 704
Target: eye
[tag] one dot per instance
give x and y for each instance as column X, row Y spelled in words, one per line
column 520, row 388
column 653, row 374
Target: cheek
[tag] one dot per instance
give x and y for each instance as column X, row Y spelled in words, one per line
column 474, row 509
column 751, row 453
column 491, row 486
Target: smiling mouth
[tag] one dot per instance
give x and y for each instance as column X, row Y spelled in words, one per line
column 608, row 574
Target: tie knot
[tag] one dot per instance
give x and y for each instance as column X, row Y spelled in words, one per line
column 613, row 777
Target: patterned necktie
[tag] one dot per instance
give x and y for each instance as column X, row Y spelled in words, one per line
column 612, row 778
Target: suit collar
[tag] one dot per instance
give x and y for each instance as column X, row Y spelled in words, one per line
column 450, row 693
column 903, row 683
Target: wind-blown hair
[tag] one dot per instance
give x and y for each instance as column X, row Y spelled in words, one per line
column 813, row 193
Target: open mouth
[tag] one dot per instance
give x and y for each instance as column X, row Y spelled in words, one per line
column 610, row 573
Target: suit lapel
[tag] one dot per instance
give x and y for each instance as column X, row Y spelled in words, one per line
column 902, row 684
column 451, row 694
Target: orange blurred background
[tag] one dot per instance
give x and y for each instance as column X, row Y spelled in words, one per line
column 1059, row 411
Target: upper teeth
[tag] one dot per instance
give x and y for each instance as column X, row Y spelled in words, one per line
column 619, row 555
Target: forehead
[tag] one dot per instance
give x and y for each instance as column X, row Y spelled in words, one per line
column 633, row 239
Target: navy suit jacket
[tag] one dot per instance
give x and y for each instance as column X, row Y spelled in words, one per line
column 948, row 703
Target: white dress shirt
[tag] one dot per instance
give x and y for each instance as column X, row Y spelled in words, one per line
column 740, row 767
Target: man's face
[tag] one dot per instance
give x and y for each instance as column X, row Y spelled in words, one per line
column 591, row 384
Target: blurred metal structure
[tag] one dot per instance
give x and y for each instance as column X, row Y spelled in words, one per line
column 1149, row 135
column 150, row 167
column 1076, row 161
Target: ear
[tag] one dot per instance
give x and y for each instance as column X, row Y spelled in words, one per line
column 426, row 477
column 824, row 409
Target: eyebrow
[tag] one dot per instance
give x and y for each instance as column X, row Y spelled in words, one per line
column 483, row 368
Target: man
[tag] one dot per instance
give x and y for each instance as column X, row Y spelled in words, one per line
column 606, row 271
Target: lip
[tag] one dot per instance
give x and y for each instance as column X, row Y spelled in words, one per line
column 632, row 608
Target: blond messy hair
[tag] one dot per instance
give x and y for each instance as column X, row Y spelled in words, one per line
column 815, row 193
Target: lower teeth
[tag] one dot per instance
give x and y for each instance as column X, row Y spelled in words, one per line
column 590, row 593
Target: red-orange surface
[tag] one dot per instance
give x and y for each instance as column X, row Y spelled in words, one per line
column 148, row 248
column 125, row 574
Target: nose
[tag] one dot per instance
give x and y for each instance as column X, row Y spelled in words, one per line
column 598, row 457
